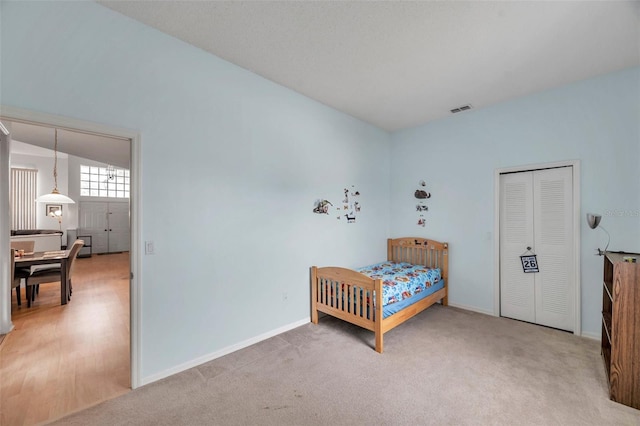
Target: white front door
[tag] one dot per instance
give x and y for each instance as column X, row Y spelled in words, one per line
column 107, row 223
column 536, row 211
column 118, row 221
column 92, row 220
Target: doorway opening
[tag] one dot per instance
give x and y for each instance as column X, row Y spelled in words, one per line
column 130, row 277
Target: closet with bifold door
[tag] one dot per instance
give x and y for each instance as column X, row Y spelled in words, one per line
column 536, row 218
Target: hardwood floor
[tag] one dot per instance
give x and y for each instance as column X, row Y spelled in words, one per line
column 61, row 359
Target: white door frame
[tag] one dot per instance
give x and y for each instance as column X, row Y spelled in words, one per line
column 575, row 167
column 5, row 225
column 17, row 114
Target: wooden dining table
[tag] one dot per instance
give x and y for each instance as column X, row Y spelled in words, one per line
column 47, row 258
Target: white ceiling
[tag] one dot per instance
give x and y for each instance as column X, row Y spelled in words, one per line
column 39, row 140
column 399, row 64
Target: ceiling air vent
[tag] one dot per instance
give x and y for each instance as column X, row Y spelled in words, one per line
column 461, row 108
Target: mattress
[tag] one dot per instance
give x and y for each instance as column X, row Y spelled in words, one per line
column 401, row 280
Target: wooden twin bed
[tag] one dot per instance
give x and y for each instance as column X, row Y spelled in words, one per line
column 348, row 295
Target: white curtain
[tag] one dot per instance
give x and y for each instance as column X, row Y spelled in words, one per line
column 23, row 198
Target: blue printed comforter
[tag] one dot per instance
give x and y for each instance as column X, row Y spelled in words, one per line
column 401, row 280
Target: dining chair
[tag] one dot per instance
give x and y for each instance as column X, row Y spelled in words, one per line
column 52, row 274
column 26, row 245
column 17, row 275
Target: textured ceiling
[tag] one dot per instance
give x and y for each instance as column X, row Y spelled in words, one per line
column 400, row 64
column 40, row 140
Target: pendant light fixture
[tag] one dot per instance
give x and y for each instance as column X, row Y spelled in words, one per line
column 55, row 197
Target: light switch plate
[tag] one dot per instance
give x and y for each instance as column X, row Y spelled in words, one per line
column 148, row 247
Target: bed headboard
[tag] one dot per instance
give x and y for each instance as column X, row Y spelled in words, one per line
column 420, row 251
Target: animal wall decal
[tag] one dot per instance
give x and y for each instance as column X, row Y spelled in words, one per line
column 422, row 194
column 322, row 207
column 421, row 207
column 351, row 205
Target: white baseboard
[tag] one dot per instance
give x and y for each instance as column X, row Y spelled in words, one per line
column 585, row 334
column 471, row 308
column 222, row 352
column 593, row 336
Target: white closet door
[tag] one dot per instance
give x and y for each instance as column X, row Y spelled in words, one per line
column 536, row 210
column 553, row 235
column 517, row 289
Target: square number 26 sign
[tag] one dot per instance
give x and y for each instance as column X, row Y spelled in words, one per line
column 529, row 263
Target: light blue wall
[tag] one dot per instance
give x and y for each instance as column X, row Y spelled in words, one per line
column 231, row 166
column 595, row 121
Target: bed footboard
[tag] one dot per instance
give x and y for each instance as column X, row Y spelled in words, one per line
column 348, row 295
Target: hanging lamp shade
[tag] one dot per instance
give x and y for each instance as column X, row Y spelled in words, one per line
column 55, row 197
column 593, row 220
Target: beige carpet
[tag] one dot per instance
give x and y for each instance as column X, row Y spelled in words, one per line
column 444, row 367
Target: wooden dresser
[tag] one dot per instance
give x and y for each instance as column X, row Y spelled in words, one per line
column 621, row 327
